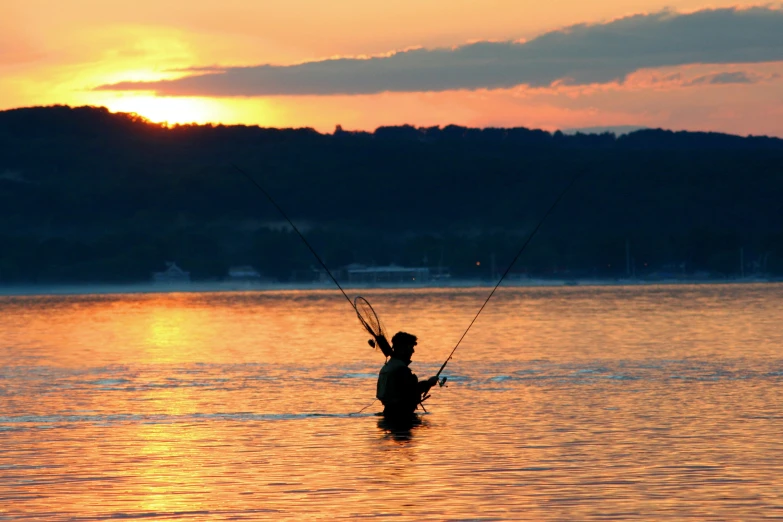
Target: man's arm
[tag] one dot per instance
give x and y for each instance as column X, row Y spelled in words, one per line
column 424, row 386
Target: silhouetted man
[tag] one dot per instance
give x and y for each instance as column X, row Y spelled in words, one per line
column 399, row 389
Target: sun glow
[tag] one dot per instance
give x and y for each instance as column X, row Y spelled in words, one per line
column 169, row 111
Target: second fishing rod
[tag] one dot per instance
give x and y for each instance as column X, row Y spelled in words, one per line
column 510, row 266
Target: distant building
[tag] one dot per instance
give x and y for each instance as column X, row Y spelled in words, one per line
column 243, row 273
column 387, row 274
column 172, row 274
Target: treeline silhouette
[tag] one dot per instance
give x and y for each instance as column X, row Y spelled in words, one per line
column 88, row 195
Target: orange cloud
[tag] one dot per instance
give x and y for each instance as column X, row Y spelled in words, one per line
column 581, row 55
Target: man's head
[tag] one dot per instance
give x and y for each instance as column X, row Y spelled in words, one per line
column 402, row 345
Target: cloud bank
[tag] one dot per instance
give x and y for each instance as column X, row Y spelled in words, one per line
column 577, row 55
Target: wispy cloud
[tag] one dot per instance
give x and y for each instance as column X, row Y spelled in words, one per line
column 577, row 55
column 730, row 77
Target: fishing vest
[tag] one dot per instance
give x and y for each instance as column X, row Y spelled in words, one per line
column 388, row 392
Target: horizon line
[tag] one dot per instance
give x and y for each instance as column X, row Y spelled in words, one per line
column 572, row 131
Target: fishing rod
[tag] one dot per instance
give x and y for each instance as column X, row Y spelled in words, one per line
column 282, row 213
column 533, row 233
column 374, row 326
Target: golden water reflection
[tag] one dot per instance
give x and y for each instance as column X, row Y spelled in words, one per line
column 562, row 403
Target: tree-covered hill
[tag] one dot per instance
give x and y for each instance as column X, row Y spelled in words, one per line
column 90, row 195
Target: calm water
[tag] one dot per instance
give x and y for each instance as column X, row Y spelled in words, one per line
column 648, row 403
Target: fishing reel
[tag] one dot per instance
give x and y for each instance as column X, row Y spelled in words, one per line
column 442, row 381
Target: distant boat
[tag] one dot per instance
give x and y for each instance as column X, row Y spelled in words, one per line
column 172, row 274
column 243, row 273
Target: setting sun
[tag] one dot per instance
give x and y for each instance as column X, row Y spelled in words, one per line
column 168, row 110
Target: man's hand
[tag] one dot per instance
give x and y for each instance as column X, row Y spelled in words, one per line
column 432, row 381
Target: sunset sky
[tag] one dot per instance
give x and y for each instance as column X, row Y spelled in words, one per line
column 562, row 64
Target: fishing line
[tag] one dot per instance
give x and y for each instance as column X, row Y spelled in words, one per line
column 282, row 213
column 533, row 233
column 358, row 412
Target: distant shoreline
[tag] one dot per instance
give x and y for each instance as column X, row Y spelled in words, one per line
column 220, row 286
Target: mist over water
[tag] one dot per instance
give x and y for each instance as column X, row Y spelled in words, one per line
column 583, row 403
